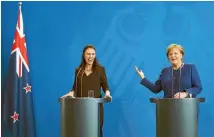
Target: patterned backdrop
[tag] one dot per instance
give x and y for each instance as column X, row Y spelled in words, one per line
column 124, row 34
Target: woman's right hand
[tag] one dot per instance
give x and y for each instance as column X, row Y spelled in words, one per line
column 140, row 73
column 70, row 94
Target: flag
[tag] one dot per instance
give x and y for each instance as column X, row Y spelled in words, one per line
column 18, row 112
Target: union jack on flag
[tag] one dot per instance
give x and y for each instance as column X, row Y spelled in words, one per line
column 18, row 112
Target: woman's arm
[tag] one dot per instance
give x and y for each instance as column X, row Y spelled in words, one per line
column 196, row 82
column 103, row 81
column 155, row 88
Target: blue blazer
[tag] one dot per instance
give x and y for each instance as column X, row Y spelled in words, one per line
column 187, row 80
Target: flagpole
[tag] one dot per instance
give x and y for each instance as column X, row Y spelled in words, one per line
column 20, row 4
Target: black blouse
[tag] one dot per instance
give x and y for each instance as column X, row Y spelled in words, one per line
column 93, row 81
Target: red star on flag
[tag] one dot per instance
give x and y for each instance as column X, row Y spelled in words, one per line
column 15, row 117
column 27, row 88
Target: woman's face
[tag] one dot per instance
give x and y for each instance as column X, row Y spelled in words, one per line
column 175, row 56
column 89, row 56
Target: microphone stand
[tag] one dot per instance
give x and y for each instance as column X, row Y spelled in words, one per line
column 75, row 92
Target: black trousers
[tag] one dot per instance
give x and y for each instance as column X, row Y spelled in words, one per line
column 101, row 119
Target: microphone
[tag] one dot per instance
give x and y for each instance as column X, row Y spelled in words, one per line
column 75, row 92
column 81, row 83
column 180, row 80
column 173, row 78
column 179, row 83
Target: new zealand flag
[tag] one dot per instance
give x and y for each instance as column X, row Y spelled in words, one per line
column 18, row 114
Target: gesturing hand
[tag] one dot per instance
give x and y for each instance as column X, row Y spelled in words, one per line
column 140, row 72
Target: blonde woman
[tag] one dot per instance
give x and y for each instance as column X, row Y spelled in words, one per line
column 180, row 80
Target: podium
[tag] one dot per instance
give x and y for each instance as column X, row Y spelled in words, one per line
column 80, row 117
column 177, row 117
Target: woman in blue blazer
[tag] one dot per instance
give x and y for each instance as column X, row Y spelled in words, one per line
column 177, row 81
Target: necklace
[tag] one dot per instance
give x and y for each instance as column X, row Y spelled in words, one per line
column 87, row 69
column 179, row 67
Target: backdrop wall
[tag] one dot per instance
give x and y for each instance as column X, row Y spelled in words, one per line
column 124, row 34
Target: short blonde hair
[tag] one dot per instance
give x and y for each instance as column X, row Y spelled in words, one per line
column 172, row 46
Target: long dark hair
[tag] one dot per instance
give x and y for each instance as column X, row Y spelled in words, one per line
column 83, row 62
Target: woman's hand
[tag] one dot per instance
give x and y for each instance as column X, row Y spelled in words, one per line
column 180, row 95
column 140, row 73
column 70, row 94
column 107, row 94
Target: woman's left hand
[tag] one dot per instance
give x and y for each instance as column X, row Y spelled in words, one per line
column 180, row 95
column 107, row 94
